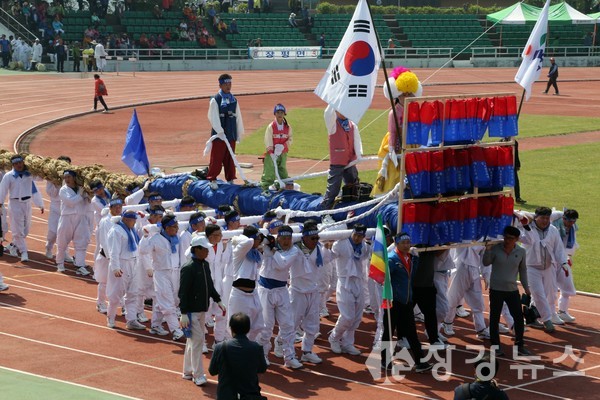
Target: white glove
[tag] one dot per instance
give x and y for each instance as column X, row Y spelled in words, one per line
column 278, row 149
column 184, row 321
column 222, row 307
column 393, row 157
column 221, row 135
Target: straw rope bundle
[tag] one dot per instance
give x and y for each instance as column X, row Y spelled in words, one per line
column 52, row 170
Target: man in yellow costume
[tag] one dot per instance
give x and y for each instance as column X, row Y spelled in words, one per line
column 403, row 83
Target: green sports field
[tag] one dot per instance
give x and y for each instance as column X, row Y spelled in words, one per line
column 15, row 385
column 554, row 177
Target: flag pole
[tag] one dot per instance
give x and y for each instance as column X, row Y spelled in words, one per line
column 521, row 104
column 385, row 74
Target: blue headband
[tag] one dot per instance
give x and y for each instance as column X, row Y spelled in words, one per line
column 115, row 202
column 275, row 224
column 284, row 233
column 222, row 81
column 310, row 233
column 157, row 212
column 129, row 214
column 196, row 220
column 16, row 160
column 98, row 186
column 232, row 219
column 155, row 197
column 361, row 232
column 170, row 223
column 70, row 172
column 401, row 238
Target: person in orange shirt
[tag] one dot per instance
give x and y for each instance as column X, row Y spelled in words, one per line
column 100, row 90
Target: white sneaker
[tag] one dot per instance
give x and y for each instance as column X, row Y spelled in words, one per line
column 267, row 361
column 278, row 349
column 311, row 358
column 82, row 271
column 142, row 317
column 462, row 312
column 503, row 328
column 210, row 323
column 442, row 337
column 353, row 351
column 49, row 255
column 299, row 336
column 134, row 325
column 438, row 345
column 160, row 331
column 110, row 323
column 556, row 320
column 101, row 307
column 335, row 345
column 177, row 334
column 61, row 267
column 483, row 334
column 187, row 377
column 293, row 364
column 200, row 381
column 324, row 313
column 12, row 250
column 419, row 317
column 24, row 257
column 214, row 185
column 565, row 316
column 368, row 310
column 3, row 287
column 402, row 343
column 448, row 329
column 204, row 348
column 69, row 259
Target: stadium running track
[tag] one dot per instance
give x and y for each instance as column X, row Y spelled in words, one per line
column 48, row 323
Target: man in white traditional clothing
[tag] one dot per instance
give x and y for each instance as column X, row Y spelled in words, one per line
column 351, row 259
column 123, row 251
column 36, row 56
column 274, row 294
column 101, row 261
column 166, row 254
column 54, row 214
column 18, row 185
column 74, row 224
column 100, row 56
column 246, row 261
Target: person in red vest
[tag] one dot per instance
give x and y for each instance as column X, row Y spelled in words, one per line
column 278, row 138
column 345, row 148
column 99, row 92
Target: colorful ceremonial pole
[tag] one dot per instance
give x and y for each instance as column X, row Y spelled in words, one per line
column 379, row 271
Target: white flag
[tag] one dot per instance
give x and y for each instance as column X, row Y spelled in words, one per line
column 533, row 55
column 349, row 83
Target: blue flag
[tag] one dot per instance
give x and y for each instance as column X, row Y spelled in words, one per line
column 134, row 153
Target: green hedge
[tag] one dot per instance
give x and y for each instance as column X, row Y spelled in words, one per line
column 328, row 8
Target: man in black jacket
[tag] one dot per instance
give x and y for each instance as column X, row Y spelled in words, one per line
column 552, row 77
column 195, row 288
column 238, row 362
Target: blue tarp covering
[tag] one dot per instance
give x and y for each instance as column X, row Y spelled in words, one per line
column 251, row 201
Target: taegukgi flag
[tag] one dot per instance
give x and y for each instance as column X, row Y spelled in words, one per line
column 349, row 83
column 533, row 54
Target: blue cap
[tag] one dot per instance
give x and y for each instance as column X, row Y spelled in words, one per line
column 70, row 172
